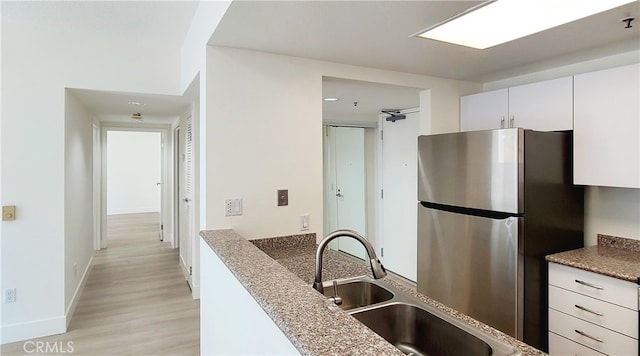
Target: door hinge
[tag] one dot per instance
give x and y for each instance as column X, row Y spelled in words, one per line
column 190, row 271
column 381, row 193
column 161, row 226
column 381, row 251
column 382, row 134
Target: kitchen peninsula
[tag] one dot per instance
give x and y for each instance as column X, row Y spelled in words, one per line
column 256, row 297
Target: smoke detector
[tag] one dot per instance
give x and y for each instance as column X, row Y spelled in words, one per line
column 136, row 116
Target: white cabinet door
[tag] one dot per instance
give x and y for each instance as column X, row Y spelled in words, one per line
column 607, row 127
column 542, row 106
column 484, row 111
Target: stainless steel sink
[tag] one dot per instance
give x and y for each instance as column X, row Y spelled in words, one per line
column 415, row 331
column 411, row 325
column 358, row 294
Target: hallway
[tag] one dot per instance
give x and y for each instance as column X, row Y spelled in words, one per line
column 136, row 300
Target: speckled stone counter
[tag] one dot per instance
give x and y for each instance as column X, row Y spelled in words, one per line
column 279, row 274
column 613, row 256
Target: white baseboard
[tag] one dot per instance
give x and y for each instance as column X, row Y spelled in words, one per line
column 195, row 292
column 76, row 295
column 33, row 329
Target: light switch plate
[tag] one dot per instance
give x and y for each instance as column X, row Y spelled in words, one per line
column 283, row 197
column 304, row 222
column 8, row 213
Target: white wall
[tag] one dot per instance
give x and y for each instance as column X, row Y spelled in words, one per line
column 78, row 191
column 193, row 52
column 609, row 211
column 40, row 60
column 133, row 171
column 263, row 125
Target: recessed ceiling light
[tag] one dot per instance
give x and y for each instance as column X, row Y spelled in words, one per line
column 137, row 103
column 495, row 22
column 331, row 98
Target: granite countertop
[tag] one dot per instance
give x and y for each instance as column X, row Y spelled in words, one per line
column 278, row 273
column 613, row 256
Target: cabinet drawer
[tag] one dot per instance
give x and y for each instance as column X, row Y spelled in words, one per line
column 594, row 285
column 605, row 314
column 561, row 346
column 600, row 339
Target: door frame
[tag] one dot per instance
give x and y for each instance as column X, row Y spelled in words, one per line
column 165, row 191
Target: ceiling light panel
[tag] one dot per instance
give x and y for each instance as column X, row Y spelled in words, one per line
column 496, row 22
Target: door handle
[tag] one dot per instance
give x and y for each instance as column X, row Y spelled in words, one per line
column 339, row 195
column 186, row 200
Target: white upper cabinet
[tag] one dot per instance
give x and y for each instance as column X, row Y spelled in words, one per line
column 542, row 106
column 607, row 127
column 484, row 111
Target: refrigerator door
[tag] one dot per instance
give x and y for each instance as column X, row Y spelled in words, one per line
column 470, row 264
column 478, row 169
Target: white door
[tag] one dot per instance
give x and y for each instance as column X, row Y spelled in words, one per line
column 160, row 186
column 346, row 194
column 400, row 193
column 185, row 166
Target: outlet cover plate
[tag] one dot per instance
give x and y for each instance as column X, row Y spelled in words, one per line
column 283, row 197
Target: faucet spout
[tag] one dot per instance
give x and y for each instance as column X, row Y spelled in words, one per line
column 376, row 267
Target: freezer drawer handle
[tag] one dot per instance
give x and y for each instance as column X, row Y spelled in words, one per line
column 588, row 310
column 589, row 284
column 588, row 336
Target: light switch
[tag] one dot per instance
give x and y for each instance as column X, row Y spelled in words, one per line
column 8, row 213
column 283, row 197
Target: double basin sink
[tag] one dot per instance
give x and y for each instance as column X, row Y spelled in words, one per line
column 411, row 325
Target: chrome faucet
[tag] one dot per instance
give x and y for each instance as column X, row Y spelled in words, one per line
column 376, row 267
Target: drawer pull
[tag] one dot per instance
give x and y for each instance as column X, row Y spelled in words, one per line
column 588, row 336
column 588, row 310
column 589, row 284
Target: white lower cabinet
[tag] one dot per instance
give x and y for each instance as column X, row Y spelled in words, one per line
column 591, row 314
column 559, row 345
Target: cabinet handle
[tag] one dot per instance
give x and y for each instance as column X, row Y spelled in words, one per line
column 589, row 284
column 502, row 122
column 588, row 336
column 588, row 310
column 512, row 121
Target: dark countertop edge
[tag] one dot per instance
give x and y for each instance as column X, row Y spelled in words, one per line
column 215, row 237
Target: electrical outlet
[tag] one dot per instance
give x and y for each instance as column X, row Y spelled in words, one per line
column 304, row 222
column 233, row 207
column 9, row 295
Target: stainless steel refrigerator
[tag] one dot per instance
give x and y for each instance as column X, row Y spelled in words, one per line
column 491, row 205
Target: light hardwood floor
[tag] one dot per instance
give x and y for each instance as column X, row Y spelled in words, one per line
column 136, row 300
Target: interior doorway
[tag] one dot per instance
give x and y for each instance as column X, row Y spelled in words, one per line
column 345, row 185
column 184, row 219
column 134, row 171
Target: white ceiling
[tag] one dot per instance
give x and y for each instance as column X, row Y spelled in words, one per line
column 364, row 33
column 371, row 98
column 115, row 107
column 376, row 34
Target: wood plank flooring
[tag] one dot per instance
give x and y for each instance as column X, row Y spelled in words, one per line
column 136, row 300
